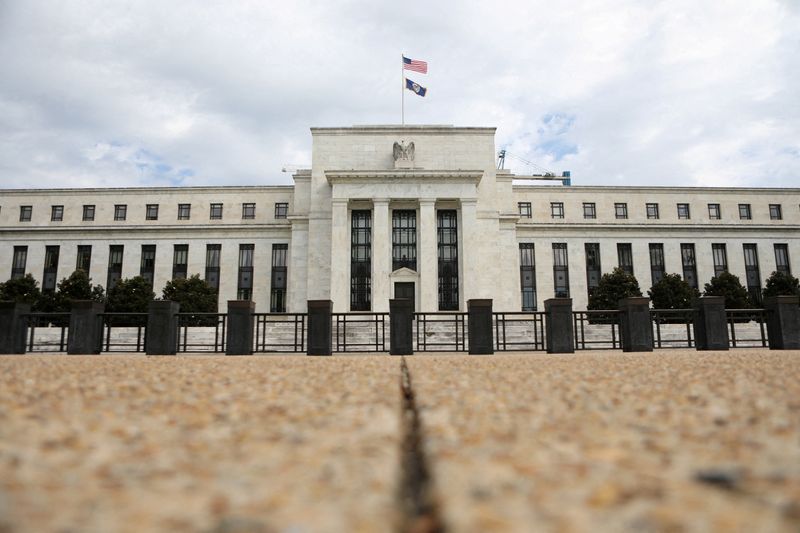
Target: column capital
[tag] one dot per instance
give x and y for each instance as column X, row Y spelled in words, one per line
column 427, row 201
column 380, row 201
column 339, row 202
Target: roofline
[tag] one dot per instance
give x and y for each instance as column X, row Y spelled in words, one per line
column 210, row 188
column 659, row 188
column 401, row 129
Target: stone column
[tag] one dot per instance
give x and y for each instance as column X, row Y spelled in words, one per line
column 635, row 326
column 783, row 322
column 239, row 334
column 13, row 327
column 319, row 327
column 469, row 251
column 298, row 267
column 85, row 335
column 428, row 257
column 479, row 314
column 161, row 337
column 381, row 255
column 559, row 333
column 401, row 319
column 710, row 326
column 340, row 256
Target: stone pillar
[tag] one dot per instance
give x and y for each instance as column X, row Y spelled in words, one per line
column 85, row 335
column 783, row 322
column 469, row 251
column 319, row 327
column 710, row 326
column 340, row 256
column 381, row 255
column 13, row 327
column 161, row 337
column 635, row 326
column 479, row 315
column 428, row 257
column 401, row 321
column 239, row 334
column 559, row 332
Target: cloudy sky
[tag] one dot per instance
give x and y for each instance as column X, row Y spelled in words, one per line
column 155, row 92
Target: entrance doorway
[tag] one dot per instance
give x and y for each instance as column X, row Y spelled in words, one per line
column 404, row 289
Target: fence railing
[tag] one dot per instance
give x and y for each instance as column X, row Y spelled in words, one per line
column 360, row 332
column 123, row 332
column 519, row 331
column 746, row 328
column 441, row 332
column 596, row 330
column 201, row 332
column 280, row 332
column 672, row 328
column 47, row 332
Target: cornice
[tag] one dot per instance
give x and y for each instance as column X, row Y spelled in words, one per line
column 405, row 176
column 437, row 129
column 153, row 190
column 574, row 189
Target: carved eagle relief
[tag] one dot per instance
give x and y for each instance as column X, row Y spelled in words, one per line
column 402, row 151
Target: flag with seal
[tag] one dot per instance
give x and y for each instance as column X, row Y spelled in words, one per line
column 415, row 87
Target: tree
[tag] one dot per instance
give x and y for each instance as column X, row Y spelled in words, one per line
column 729, row 286
column 612, row 288
column 782, row 284
column 672, row 292
column 24, row 289
column 195, row 296
column 130, row 296
column 78, row 286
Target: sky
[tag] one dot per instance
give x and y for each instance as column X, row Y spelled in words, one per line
column 619, row 92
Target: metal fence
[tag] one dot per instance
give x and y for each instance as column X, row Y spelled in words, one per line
column 519, row 331
column 746, row 328
column 47, row 332
column 360, row 332
column 123, row 332
column 672, row 328
column 280, row 332
column 596, row 330
column 441, row 332
column 201, row 332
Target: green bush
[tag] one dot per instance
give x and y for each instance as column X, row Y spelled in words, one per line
column 729, row 286
column 195, row 296
column 129, row 296
column 782, row 284
column 78, row 286
column 672, row 292
column 612, row 288
column 24, row 289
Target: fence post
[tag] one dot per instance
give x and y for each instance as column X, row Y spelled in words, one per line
column 635, row 325
column 783, row 322
column 161, row 337
column 85, row 334
column 710, row 323
column 559, row 333
column 479, row 327
column 239, row 337
column 13, row 327
column 401, row 322
column 319, row 327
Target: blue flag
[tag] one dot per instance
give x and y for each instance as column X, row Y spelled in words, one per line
column 415, row 87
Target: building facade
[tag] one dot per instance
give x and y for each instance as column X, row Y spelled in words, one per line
column 389, row 211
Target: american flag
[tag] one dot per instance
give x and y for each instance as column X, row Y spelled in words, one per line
column 415, row 64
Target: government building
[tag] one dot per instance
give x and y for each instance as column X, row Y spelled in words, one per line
column 418, row 212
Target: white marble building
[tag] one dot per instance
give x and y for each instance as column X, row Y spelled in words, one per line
column 437, row 222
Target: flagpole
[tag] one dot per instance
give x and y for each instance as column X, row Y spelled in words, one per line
column 402, row 92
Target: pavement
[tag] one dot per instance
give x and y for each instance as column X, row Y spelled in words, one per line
column 674, row 440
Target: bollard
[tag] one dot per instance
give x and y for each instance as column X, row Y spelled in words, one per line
column 479, row 327
column 13, row 327
column 559, row 333
column 162, row 327
column 783, row 322
column 319, row 327
column 239, row 337
column 85, row 334
column 635, row 325
column 401, row 322
column 710, row 325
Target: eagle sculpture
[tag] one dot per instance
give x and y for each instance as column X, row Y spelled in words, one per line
column 403, row 151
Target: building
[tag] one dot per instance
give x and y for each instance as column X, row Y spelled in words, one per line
column 399, row 211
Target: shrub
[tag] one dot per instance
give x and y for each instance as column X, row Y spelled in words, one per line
column 78, row 286
column 672, row 292
column 729, row 286
column 24, row 289
column 782, row 284
column 129, row 296
column 612, row 288
column 195, row 296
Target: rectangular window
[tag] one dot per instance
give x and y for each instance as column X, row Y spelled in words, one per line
column 120, row 212
column 719, row 255
column 656, row 262
column 151, row 212
column 147, row 265
column 683, row 211
column 556, row 209
column 652, row 210
column 744, row 212
column 527, row 276
column 625, row 257
column 593, row 270
column 775, row 212
column 57, row 213
column 752, row 272
column 277, row 300
column 360, row 260
column 248, row 211
column 50, row 268
column 447, row 240
column 213, row 252
column 216, row 212
column 25, row 213
column 589, row 210
column 689, row 262
column 115, row 253
column 281, row 209
column 18, row 262
column 184, row 211
column 782, row 258
column 714, row 212
column 404, row 239
column 84, row 260
column 621, row 210
column 524, row 209
column 88, row 213
column 180, row 261
column 560, row 270
column 245, row 280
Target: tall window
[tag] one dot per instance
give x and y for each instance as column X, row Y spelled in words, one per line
column 57, row 213
column 184, row 211
column 752, row 272
column 360, row 260
column 652, row 210
column 151, row 212
column 50, row 268
column 213, row 252
column 625, row 257
column 775, row 212
column 621, row 210
column 120, row 212
column 782, row 258
column 589, row 210
column 447, row 239
column 527, row 276
column 248, row 211
column 404, row 239
column 593, row 270
column 19, row 261
column 216, row 212
column 556, row 209
column 719, row 255
column 244, row 289
column 147, row 266
column 560, row 270
column 277, row 300
column 656, row 262
column 88, row 213
column 180, row 261
column 25, row 213
column 714, row 212
column 744, row 212
column 281, row 209
column 689, row 263
column 524, row 209
column 84, row 260
column 683, row 211
column 115, row 252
